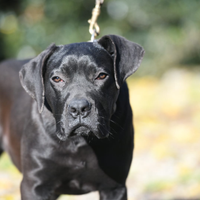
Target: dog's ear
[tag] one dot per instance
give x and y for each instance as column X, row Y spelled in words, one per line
column 31, row 76
column 127, row 56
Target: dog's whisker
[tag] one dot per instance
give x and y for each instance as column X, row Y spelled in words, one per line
column 112, row 121
column 116, row 124
column 110, row 133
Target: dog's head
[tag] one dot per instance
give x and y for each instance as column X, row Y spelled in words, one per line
column 79, row 83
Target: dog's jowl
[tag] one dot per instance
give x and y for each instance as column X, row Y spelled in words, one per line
column 66, row 121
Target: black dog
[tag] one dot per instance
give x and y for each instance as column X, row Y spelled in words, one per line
column 75, row 134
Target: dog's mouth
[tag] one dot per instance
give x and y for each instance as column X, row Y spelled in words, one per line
column 99, row 129
column 79, row 130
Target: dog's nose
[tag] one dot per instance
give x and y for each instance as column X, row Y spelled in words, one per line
column 79, row 107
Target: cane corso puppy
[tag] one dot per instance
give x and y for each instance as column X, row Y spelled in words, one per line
column 66, row 121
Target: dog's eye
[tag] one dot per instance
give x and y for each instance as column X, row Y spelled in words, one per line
column 57, row 79
column 101, row 76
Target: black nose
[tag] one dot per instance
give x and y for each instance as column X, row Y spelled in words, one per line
column 79, row 107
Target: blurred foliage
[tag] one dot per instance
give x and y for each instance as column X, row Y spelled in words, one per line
column 169, row 30
column 167, row 141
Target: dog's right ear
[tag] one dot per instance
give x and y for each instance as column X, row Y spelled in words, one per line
column 31, row 76
column 126, row 55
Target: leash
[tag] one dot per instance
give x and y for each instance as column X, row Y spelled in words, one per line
column 94, row 28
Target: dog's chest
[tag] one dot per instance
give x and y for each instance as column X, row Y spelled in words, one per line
column 75, row 155
column 78, row 169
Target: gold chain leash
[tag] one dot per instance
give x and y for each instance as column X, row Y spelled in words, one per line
column 94, row 28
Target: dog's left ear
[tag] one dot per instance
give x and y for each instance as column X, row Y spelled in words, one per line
column 31, row 76
column 127, row 56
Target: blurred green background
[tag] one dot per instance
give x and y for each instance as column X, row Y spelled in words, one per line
column 164, row 92
column 168, row 29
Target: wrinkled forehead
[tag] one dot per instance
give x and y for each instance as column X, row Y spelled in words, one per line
column 81, row 54
column 78, row 64
column 75, row 60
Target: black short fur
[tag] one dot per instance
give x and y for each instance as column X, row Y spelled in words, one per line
column 72, row 133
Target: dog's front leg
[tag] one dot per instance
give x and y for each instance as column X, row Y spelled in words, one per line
column 28, row 192
column 115, row 194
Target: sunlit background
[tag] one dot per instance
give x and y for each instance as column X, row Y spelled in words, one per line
column 164, row 92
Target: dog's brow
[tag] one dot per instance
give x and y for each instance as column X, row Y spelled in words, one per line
column 68, row 59
column 83, row 60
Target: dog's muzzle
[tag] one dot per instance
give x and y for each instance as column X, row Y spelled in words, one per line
column 79, row 108
column 78, row 111
column 82, row 121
